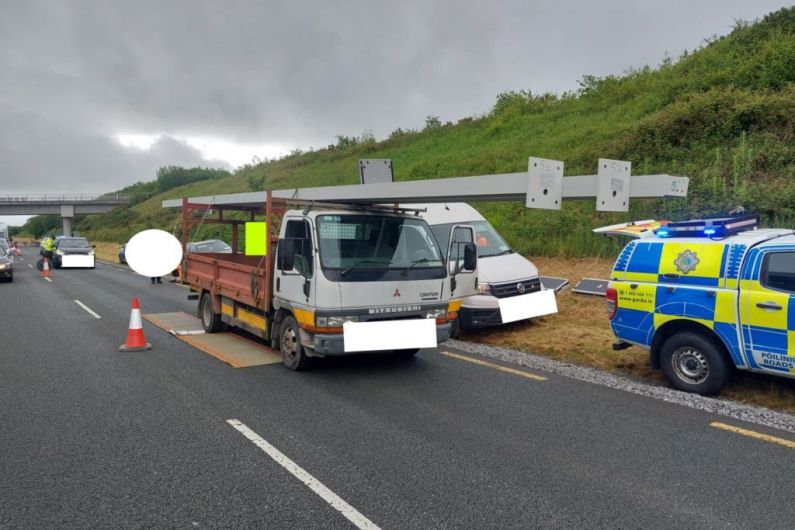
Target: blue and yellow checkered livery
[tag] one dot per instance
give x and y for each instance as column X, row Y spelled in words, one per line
column 715, row 283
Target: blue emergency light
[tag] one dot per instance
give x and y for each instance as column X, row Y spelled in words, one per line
column 716, row 227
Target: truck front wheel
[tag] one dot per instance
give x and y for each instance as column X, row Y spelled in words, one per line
column 694, row 363
column 211, row 321
column 293, row 354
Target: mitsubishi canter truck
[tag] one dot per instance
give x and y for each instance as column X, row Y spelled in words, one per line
column 334, row 280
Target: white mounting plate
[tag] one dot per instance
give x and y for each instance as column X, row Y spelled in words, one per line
column 612, row 189
column 544, row 183
column 375, row 170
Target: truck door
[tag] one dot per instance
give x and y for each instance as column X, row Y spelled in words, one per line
column 294, row 278
column 463, row 276
column 767, row 311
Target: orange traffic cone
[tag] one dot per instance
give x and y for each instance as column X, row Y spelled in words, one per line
column 135, row 333
column 45, row 268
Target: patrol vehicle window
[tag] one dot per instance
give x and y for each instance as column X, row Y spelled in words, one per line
column 778, row 271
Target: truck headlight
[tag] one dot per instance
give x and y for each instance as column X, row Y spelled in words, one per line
column 484, row 288
column 335, row 321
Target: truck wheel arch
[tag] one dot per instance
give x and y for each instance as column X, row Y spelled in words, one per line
column 673, row 327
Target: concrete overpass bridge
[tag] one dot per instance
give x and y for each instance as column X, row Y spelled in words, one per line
column 67, row 205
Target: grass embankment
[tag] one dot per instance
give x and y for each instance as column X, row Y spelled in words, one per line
column 580, row 334
column 106, row 251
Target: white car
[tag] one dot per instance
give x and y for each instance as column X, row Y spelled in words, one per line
column 508, row 283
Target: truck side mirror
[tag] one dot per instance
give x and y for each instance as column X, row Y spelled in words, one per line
column 470, row 256
column 285, row 256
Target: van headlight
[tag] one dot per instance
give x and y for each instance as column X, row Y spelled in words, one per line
column 437, row 313
column 4, row 266
column 484, row 288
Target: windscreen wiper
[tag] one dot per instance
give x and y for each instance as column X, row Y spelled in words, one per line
column 414, row 264
column 362, row 262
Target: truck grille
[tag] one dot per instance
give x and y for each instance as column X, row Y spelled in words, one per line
column 504, row 290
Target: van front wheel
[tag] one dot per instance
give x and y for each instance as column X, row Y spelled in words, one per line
column 694, row 363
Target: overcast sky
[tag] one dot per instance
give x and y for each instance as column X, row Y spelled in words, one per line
column 95, row 95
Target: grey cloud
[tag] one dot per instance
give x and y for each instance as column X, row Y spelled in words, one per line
column 297, row 73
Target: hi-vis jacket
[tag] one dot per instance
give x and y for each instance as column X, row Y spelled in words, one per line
column 741, row 288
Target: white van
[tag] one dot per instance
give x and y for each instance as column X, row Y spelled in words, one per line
column 508, row 284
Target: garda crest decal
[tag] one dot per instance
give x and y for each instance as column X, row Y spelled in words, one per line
column 686, row 261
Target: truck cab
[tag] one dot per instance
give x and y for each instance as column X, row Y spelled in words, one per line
column 705, row 305
column 338, row 270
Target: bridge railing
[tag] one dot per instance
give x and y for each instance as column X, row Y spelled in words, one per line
column 67, row 197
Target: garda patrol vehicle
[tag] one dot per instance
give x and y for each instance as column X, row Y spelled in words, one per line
column 706, row 295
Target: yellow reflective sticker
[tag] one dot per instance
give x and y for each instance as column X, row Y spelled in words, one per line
column 726, row 307
column 256, row 238
column 641, row 298
column 691, row 259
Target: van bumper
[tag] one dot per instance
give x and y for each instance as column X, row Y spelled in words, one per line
column 334, row 343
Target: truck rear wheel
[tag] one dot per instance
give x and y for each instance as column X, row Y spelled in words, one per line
column 211, row 321
column 293, row 354
column 694, row 363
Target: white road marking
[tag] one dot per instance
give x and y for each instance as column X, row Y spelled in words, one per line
column 49, row 280
column 348, row 511
column 88, row 309
column 29, row 265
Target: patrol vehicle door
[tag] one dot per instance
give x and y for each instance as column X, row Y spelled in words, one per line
column 767, row 311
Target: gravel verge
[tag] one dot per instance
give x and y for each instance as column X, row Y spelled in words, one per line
column 739, row 411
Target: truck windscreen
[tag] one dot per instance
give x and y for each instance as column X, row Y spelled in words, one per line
column 353, row 242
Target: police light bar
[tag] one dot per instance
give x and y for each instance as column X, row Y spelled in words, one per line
column 715, row 227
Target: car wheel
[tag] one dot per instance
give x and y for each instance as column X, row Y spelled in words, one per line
column 293, row 354
column 211, row 321
column 455, row 328
column 694, row 363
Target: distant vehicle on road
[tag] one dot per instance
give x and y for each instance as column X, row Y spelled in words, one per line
column 72, row 252
column 6, row 266
column 210, row 245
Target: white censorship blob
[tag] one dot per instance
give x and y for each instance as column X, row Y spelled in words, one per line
column 153, row 253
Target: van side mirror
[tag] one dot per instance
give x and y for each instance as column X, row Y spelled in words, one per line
column 470, row 256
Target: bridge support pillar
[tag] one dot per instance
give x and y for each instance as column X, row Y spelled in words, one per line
column 67, row 214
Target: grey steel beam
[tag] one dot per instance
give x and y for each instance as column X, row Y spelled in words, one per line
column 542, row 186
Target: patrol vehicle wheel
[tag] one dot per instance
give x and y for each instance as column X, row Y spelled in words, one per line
column 293, row 354
column 693, row 363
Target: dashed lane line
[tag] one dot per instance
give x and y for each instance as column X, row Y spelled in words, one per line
column 348, row 511
column 88, row 309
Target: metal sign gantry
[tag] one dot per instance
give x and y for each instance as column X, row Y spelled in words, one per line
column 541, row 186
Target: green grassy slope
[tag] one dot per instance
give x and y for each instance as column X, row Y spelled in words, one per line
column 723, row 115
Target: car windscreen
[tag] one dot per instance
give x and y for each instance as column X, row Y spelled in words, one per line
column 73, row 242
column 488, row 240
column 376, row 242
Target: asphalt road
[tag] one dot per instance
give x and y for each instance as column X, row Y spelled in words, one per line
column 94, row 438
